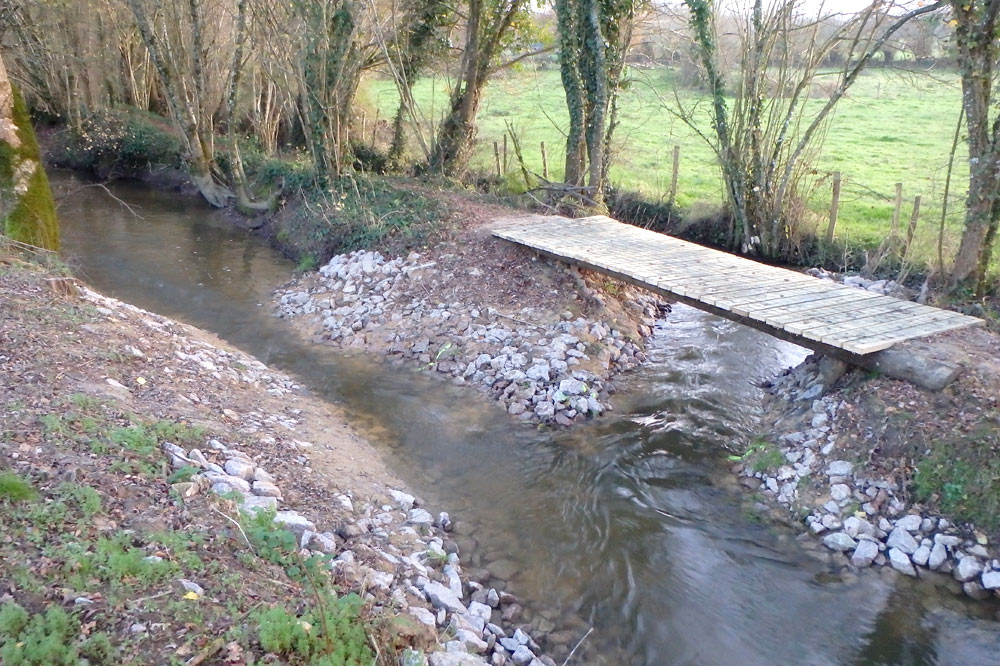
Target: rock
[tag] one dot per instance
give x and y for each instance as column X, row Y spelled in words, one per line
column 293, row 522
column 413, row 658
column 442, row 597
column 910, row 523
column 545, row 409
column 947, row 540
column 455, row 659
column 864, row 554
column 976, row 591
column 419, row 517
column 839, row 541
column 937, row 556
column 404, row 500
column 239, row 468
column 191, row 586
column 266, row 489
column 260, row 475
column 572, row 387
column 522, row 656
column 492, row 598
column 900, row 561
column 839, row 468
column 856, row 527
column 921, row 555
column 968, row 568
column 991, row 580
column 840, row 492
column 902, row 540
column 480, row 610
column 252, row 504
column 324, row 542
column 539, row 372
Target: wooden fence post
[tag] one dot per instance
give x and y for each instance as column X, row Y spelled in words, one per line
column 895, row 212
column 834, row 208
column 673, row 175
column 545, row 163
column 375, row 125
column 364, row 125
column 912, row 228
column 505, row 153
column 496, row 156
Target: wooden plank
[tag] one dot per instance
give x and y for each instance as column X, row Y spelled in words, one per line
column 821, row 313
column 758, row 304
column 859, row 317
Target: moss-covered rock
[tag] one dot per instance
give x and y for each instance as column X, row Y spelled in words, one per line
column 27, row 211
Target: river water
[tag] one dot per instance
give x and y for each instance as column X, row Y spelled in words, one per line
column 630, row 525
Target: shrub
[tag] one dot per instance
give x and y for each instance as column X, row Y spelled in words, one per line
column 15, row 489
column 120, row 142
column 48, row 639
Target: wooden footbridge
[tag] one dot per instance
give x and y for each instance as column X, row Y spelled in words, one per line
column 819, row 314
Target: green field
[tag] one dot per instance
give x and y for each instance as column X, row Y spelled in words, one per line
column 893, row 127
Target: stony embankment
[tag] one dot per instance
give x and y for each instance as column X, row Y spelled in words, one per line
column 545, row 366
column 817, row 464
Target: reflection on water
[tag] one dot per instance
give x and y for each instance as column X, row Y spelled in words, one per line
column 629, row 525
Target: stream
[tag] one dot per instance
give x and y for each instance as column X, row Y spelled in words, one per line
column 631, row 524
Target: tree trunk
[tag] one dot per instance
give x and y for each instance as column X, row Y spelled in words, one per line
column 978, row 52
column 453, row 147
column 27, row 211
column 569, row 68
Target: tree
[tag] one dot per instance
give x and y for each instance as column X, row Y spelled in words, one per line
column 27, row 212
column 489, row 26
column 174, row 34
column 594, row 39
column 763, row 143
column 978, row 45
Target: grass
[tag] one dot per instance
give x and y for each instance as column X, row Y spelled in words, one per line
column 14, row 489
column 65, row 540
column 761, row 455
column 966, row 485
column 892, row 127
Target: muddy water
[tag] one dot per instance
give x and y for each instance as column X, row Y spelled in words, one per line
column 630, row 525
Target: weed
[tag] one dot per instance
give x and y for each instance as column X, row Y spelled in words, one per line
column 183, row 475
column 14, row 489
column 48, row 639
column 331, row 634
column 761, row 455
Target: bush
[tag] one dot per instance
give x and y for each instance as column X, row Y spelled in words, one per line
column 332, row 634
column 120, row 142
column 48, row 639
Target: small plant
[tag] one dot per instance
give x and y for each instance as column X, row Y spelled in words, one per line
column 330, row 634
column 761, row 455
column 183, row 475
column 48, row 639
column 15, row 489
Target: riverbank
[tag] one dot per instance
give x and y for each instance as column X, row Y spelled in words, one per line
column 543, row 339
column 167, row 497
column 885, row 473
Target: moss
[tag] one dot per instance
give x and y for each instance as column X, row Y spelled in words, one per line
column 33, row 219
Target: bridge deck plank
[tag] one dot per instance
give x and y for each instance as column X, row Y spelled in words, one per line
column 806, row 309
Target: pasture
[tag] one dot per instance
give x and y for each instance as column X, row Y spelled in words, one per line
column 894, row 126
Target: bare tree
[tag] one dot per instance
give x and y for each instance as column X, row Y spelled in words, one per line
column 764, row 141
column 489, row 27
